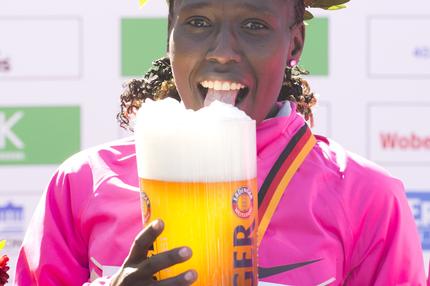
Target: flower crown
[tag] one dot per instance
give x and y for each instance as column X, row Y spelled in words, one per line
column 322, row 4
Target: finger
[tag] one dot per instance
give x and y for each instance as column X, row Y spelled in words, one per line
column 184, row 279
column 163, row 260
column 143, row 241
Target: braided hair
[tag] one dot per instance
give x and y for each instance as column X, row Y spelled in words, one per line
column 158, row 83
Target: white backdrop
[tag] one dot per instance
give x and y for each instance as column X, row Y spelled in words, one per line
column 62, row 68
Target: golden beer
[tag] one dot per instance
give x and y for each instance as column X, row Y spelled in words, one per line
column 217, row 220
column 197, row 173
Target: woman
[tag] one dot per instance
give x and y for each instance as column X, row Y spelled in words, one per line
column 341, row 220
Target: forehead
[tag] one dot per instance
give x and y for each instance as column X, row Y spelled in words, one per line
column 255, row 5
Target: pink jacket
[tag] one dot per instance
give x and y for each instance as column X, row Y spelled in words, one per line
column 341, row 220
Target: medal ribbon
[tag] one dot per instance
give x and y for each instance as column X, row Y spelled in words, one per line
column 280, row 176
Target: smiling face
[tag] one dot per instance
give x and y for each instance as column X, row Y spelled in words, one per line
column 233, row 51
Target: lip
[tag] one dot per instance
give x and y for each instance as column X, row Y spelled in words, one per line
column 224, row 77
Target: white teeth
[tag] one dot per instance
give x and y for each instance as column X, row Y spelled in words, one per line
column 222, row 85
column 217, row 85
column 225, row 86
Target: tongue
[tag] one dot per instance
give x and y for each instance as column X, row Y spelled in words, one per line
column 226, row 96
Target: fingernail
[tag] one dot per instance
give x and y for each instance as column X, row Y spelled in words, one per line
column 156, row 225
column 189, row 276
column 184, row 252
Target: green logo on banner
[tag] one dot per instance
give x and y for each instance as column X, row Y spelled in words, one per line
column 38, row 135
column 142, row 42
column 315, row 54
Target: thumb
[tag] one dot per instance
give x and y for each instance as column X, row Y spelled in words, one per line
column 143, row 242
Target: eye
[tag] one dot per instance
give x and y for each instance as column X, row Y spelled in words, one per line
column 254, row 25
column 199, row 22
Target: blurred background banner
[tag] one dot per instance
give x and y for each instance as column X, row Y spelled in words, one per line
column 62, row 66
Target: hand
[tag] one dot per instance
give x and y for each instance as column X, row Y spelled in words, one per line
column 138, row 269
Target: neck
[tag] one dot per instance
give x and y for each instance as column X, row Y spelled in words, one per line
column 274, row 111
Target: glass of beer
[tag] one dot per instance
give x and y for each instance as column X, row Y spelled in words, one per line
column 197, row 173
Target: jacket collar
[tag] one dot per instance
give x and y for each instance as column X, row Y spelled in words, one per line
column 283, row 126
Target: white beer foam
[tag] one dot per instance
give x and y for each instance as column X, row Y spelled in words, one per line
column 215, row 143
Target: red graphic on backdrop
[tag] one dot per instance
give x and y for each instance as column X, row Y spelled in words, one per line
column 412, row 141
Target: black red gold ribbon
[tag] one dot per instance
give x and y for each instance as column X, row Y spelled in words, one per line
column 280, row 176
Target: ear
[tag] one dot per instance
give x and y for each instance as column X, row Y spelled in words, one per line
column 297, row 40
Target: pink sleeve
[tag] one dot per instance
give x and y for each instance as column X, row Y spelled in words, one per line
column 53, row 252
column 387, row 248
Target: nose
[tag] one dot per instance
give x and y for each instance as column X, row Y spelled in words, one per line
column 224, row 49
